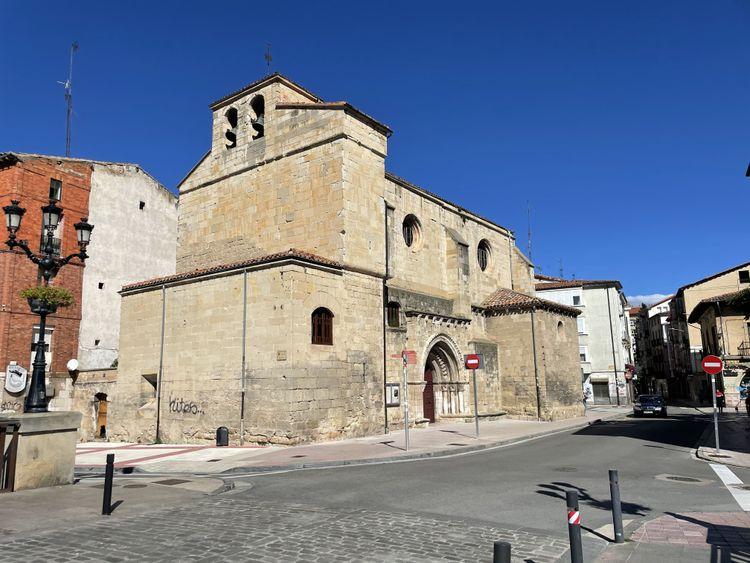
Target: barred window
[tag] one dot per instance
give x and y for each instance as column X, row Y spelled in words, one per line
column 322, row 326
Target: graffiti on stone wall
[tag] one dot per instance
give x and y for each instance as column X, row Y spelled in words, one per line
column 180, row 405
column 10, row 406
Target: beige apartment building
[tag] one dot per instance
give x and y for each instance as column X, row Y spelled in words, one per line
column 725, row 332
column 305, row 269
column 685, row 334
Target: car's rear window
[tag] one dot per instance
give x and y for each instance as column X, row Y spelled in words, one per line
column 648, row 399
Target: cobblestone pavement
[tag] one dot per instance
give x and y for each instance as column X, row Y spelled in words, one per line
column 236, row 527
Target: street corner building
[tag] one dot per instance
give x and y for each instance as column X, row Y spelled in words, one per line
column 305, row 269
column 135, row 225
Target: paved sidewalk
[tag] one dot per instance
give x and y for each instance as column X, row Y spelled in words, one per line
column 436, row 440
column 692, row 536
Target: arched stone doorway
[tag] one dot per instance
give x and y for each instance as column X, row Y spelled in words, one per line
column 444, row 392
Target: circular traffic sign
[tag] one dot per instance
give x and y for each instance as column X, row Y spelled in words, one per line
column 712, row 365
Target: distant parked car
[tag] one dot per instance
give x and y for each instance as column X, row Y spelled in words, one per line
column 650, row 404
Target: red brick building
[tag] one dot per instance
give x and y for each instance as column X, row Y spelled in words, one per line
column 33, row 181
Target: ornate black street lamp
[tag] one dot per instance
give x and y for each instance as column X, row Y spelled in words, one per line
column 49, row 263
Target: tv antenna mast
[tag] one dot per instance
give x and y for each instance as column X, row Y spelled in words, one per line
column 561, row 268
column 268, row 57
column 68, row 85
column 528, row 218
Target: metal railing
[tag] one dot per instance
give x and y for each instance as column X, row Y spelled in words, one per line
column 8, row 433
column 744, row 348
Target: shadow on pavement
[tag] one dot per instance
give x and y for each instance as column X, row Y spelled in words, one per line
column 681, row 430
column 557, row 489
column 728, row 543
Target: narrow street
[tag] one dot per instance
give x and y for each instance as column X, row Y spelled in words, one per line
column 441, row 509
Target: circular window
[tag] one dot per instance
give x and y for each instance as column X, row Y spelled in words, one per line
column 483, row 254
column 411, row 230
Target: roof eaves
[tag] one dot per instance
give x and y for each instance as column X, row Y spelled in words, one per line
column 405, row 183
column 270, row 79
column 346, row 107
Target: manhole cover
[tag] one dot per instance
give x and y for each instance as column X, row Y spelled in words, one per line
column 456, row 444
column 134, row 486
column 565, row 469
column 172, row 481
column 682, row 479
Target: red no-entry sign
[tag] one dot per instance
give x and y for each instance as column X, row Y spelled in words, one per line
column 473, row 361
column 712, row 365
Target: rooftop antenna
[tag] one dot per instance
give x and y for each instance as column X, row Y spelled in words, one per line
column 268, row 57
column 528, row 217
column 68, row 85
column 561, row 269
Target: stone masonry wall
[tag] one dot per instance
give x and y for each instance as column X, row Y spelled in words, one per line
column 295, row 391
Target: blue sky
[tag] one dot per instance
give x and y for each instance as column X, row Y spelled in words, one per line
column 625, row 126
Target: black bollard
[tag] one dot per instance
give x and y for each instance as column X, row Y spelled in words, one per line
column 501, row 552
column 108, row 474
column 574, row 527
column 614, row 492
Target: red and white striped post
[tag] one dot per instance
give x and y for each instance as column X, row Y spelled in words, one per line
column 574, row 527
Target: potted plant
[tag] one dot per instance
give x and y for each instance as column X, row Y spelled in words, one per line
column 44, row 300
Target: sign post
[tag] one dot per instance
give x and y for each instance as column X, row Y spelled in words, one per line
column 408, row 357
column 474, row 362
column 713, row 365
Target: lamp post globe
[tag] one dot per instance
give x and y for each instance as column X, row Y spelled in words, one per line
column 51, row 216
column 13, row 215
column 83, row 232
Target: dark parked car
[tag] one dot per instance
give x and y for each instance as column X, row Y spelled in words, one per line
column 650, row 404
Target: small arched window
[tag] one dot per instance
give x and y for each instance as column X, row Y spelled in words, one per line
column 411, row 230
column 230, row 133
column 483, row 254
column 322, row 326
column 394, row 314
column 258, row 122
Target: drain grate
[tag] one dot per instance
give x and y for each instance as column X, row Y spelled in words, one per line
column 565, row 469
column 457, row 444
column 719, row 455
column 212, row 460
column 299, row 455
column 172, row 481
column 134, row 486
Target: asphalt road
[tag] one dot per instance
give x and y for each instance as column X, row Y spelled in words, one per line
column 523, row 485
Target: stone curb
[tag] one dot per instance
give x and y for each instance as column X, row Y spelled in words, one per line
column 96, row 470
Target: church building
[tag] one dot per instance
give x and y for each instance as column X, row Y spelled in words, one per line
column 305, row 269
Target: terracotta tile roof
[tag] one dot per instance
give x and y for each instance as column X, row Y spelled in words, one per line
column 562, row 284
column 292, row 253
column 703, row 304
column 508, row 300
column 709, row 278
column 346, row 107
column 547, row 278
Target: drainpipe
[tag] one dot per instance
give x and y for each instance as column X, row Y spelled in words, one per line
column 161, row 362
column 536, row 368
column 510, row 260
column 385, row 319
column 244, row 357
column 612, row 337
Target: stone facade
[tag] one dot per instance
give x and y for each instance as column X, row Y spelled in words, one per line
column 279, row 228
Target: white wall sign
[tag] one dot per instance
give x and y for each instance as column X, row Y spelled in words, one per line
column 15, row 378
